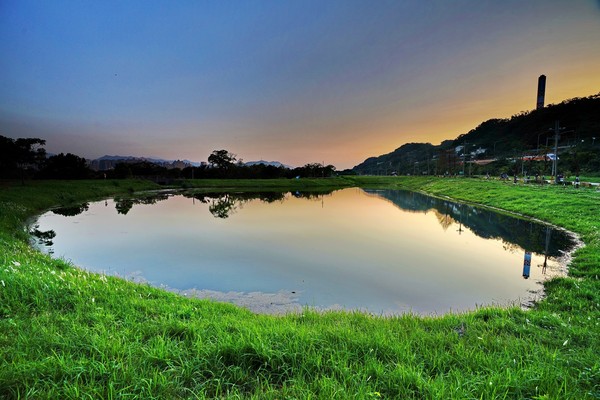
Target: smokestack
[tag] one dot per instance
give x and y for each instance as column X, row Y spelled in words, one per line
column 541, row 93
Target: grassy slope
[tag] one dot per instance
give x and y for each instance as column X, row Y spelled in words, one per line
column 65, row 333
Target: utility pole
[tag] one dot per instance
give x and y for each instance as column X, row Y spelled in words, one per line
column 470, row 165
column 555, row 161
column 464, row 156
column 427, row 163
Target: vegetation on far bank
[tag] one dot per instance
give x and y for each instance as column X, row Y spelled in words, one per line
column 26, row 158
column 67, row 333
column 522, row 144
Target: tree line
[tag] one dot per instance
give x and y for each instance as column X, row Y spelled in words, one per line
column 222, row 164
column 26, row 158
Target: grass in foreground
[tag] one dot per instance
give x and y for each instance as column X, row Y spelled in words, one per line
column 66, row 333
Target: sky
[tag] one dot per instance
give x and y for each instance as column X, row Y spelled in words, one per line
column 333, row 81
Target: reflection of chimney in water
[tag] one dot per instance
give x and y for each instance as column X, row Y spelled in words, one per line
column 526, row 264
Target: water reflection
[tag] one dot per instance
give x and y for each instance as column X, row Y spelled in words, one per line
column 381, row 251
column 71, row 211
column 223, row 204
column 220, row 204
column 124, row 204
column 43, row 237
column 527, row 265
column 514, row 232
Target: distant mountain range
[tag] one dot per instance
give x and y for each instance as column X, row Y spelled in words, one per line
column 271, row 163
column 109, row 162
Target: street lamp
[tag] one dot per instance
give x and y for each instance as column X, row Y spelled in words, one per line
column 556, row 130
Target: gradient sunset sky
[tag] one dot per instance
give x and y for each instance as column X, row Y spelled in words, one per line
column 294, row 81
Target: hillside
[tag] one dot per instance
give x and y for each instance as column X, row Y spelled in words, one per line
column 504, row 140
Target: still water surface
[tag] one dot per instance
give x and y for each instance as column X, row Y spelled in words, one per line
column 380, row 251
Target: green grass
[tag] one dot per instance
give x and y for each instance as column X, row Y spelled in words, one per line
column 66, row 333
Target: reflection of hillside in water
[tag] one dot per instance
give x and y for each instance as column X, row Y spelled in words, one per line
column 531, row 236
column 444, row 219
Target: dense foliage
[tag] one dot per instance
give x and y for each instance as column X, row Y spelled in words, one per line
column 26, row 158
column 20, row 158
column 64, row 166
column 258, row 171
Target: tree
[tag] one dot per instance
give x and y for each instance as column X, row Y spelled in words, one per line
column 221, row 159
column 314, row 170
column 65, row 166
column 18, row 156
column 139, row 169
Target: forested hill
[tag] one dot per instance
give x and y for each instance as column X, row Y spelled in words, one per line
column 527, row 133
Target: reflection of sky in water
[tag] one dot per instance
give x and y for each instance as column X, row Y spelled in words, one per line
column 348, row 249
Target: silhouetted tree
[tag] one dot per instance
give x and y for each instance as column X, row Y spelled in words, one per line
column 65, row 166
column 314, row 170
column 221, row 159
column 144, row 169
column 18, row 156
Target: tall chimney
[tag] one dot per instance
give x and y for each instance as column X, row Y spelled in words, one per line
column 541, row 93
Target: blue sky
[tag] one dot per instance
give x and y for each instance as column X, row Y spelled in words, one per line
column 293, row 81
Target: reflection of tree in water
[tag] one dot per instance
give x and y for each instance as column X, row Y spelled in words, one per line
column 125, row 204
column 71, row 211
column 222, row 207
column 43, row 237
column 510, row 247
column 310, row 195
column 224, row 204
column 514, row 232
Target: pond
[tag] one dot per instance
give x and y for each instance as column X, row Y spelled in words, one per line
column 379, row 251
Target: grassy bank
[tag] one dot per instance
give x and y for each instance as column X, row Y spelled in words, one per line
column 65, row 333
